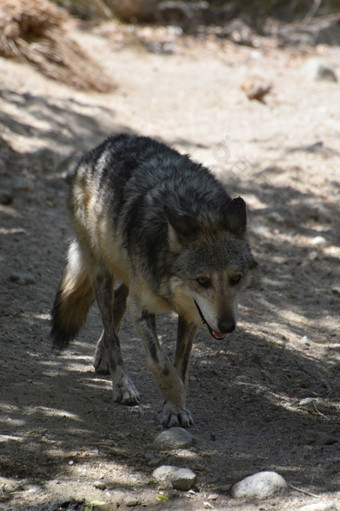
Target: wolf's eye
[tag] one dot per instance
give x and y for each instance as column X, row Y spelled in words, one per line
column 235, row 279
column 203, row 281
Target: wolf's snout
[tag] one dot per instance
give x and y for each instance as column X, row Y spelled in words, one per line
column 226, row 325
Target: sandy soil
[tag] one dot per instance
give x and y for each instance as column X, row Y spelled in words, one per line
column 266, row 398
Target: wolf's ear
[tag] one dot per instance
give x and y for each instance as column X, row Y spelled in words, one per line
column 182, row 228
column 236, row 216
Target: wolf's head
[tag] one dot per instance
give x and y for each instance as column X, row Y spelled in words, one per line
column 210, row 261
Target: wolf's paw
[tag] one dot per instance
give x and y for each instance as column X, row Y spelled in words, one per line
column 174, row 415
column 125, row 392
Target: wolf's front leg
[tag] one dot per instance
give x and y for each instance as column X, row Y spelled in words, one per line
column 170, row 384
column 185, row 336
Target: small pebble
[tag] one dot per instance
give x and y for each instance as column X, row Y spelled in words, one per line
column 319, row 69
column 174, row 438
column 313, row 256
column 100, row 485
column 131, row 501
column 207, row 505
column 305, row 340
column 319, row 241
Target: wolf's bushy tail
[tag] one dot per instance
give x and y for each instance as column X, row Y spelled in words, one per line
column 73, row 300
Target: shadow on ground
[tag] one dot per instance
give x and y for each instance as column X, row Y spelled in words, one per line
column 265, row 399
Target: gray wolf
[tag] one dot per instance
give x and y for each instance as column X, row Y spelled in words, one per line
column 164, row 229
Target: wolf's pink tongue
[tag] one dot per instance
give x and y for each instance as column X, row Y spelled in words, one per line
column 218, row 335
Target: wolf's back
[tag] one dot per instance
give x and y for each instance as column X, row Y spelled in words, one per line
column 124, row 190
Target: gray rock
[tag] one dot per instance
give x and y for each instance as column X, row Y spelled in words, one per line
column 259, row 486
column 173, row 438
column 179, row 478
column 319, row 69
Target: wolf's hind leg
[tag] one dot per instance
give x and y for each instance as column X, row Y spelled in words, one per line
column 101, row 359
column 123, row 388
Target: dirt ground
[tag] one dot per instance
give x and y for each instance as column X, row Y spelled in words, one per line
column 266, row 398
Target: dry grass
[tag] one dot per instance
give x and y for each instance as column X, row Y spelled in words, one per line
column 34, row 31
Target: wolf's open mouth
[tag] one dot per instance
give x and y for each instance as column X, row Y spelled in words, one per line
column 217, row 335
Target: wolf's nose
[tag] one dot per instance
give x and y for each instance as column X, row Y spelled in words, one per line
column 226, row 325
